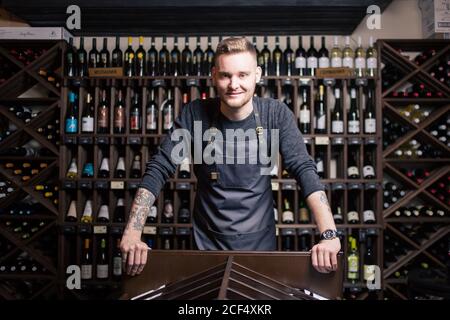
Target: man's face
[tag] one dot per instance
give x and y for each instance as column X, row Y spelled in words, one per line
column 235, row 77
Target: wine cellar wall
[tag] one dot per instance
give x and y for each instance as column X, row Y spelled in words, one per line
column 72, row 160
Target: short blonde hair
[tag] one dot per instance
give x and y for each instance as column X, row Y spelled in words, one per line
column 234, row 45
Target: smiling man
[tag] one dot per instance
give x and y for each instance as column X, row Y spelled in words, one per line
column 233, row 207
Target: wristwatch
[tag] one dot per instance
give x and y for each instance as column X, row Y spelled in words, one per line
column 328, row 234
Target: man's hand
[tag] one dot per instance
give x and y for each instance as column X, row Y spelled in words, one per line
column 324, row 255
column 134, row 254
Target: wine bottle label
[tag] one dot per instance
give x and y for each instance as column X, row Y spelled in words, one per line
column 134, row 122
column 304, row 214
column 371, row 63
column 337, row 126
column 121, row 164
column 105, row 164
column 153, row 212
column 288, row 216
column 120, row 202
column 348, row 62
column 336, row 62
column 119, row 119
column 103, row 118
column 168, row 121
column 368, row 171
column 353, row 126
column 71, row 125
column 86, row 271
column 321, row 122
column 353, row 171
column 184, row 166
column 305, row 116
column 87, row 124
column 369, row 272
column 337, row 217
column 368, row 216
column 360, row 63
column 117, row 266
column 300, row 62
column 324, row 62
column 151, row 120
column 312, row 62
column 319, row 166
column 370, row 125
column 352, row 216
column 102, row 271
column 353, row 267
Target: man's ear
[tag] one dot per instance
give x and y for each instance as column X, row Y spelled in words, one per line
column 258, row 74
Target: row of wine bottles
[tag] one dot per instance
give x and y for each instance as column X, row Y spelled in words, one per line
column 135, row 120
column 24, row 207
column 6, row 188
column 361, row 264
column 23, row 263
column 153, row 62
column 24, row 229
column 420, row 211
column 441, row 189
column 25, row 170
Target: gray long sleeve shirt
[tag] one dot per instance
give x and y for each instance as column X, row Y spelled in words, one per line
column 273, row 113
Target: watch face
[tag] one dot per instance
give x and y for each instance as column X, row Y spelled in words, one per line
column 328, row 234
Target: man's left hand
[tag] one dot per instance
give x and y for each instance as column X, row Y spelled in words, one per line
column 324, row 255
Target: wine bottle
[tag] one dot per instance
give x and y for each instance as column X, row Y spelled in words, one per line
column 104, row 168
column 353, row 114
column 119, row 211
column 70, row 60
column 141, row 61
column 337, row 121
column 368, row 168
column 72, row 115
column 86, row 261
column 300, row 58
column 119, row 115
column 117, row 261
column 324, row 59
column 348, row 54
column 353, row 167
column 288, row 59
column 320, row 165
column 197, row 60
column 185, row 171
column 72, row 215
column 117, row 56
column 320, row 114
column 186, row 59
column 87, row 121
column 72, row 173
column 368, row 212
column 88, row 170
column 152, row 114
column 352, row 214
column 175, row 59
column 208, row 59
column 135, row 115
column 120, row 168
column 276, row 58
column 184, row 214
column 337, row 216
column 167, row 216
column 370, row 260
column 372, row 62
column 336, row 54
column 136, row 167
column 312, row 55
column 353, row 261
column 82, row 60
column 264, row 60
column 94, row 55
column 130, row 61
column 87, row 212
column 168, row 112
column 102, row 261
column 152, row 63
column 305, row 114
column 164, row 59
column 152, row 215
column 104, row 55
column 303, row 213
column 103, row 214
column 103, row 115
column 360, row 60
column 370, row 124
column 287, row 216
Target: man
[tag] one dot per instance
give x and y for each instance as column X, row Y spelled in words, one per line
column 234, row 203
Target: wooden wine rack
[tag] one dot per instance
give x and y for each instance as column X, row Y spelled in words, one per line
column 11, row 90
column 388, row 53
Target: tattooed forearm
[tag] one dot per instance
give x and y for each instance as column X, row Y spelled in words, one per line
column 143, row 200
column 323, row 199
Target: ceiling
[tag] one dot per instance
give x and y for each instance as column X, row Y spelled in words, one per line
column 200, row 17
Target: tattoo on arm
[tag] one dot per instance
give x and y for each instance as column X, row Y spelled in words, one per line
column 323, row 199
column 143, row 200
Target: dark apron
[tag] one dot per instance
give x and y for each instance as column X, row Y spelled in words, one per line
column 234, row 203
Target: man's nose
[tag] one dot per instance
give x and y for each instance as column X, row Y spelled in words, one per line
column 234, row 83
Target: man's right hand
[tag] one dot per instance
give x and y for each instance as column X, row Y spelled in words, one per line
column 134, row 254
